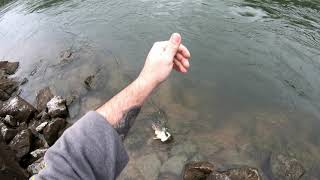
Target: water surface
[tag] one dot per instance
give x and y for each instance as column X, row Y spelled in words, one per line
column 253, row 88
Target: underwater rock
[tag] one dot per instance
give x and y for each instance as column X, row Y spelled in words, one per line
column 197, row 170
column 218, row 176
column 90, row 82
column 186, row 147
column 246, row 173
column 43, row 97
column 286, row 168
column 149, row 166
column 174, row 164
column 57, row 107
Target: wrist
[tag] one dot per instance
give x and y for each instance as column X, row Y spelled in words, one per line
column 146, row 84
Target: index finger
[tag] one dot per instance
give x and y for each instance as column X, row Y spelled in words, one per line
column 184, row 51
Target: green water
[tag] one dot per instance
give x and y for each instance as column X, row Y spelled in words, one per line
column 253, row 88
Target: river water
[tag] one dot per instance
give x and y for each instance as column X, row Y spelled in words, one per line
column 252, row 91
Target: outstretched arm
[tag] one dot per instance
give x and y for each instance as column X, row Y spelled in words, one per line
column 91, row 148
column 123, row 108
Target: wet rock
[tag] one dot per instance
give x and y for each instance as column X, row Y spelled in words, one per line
column 23, row 81
column 169, row 176
column 149, row 166
column 10, row 168
column 66, row 55
column 73, row 106
column 8, row 133
column 17, row 107
column 286, row 168
column 8, row 86
column 51, row 131
column 43, row 97
column 36, row 167
column 38, row 153
column 197, row 157
column 57, row 107
column 41, row 126
column 197, row 170
column 246, row 173
column 21, row 143
column 218, row 176
column 187, row 148
column 9, row 120
column 89, row 82
column 43, row 116
column 9, row 67
column 3, row 95
column 174, row 164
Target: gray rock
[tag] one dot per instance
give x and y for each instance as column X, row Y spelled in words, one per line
column 43, row 97
column 197, row 170
column 286, row 168
column 8, row 85
column 7, row 133
column 23, row 81
column 43, row 116
column 219, row 176
column 17, row 107
column 246, row 173
column 21, row 143
column 174, row 164
column 36, row 167
column 187, row 148
column 90, row 82
column 51, row 131
column 41, row 126
column 149, row 166
column 57, row 107
column 3, row 95
column 10, row 168
column 9, row 67
column 10, row 120
column 38, row 153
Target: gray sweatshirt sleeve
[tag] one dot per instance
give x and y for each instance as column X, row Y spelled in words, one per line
column 90, row 149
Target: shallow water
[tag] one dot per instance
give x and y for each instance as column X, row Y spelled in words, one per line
column 253, row 88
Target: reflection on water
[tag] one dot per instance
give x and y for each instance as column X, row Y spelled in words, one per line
column 253, row 89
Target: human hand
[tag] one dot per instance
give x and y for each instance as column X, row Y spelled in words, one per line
column 163, row 57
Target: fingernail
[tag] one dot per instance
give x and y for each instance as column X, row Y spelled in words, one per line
column 176, row 38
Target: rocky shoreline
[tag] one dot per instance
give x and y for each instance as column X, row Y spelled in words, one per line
column 27, row 131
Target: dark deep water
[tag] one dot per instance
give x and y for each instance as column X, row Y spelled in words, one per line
column 253, row 88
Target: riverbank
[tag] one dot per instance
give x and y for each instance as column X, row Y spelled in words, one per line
column 27, row 131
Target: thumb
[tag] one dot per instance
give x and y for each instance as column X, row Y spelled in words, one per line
column 173, row 45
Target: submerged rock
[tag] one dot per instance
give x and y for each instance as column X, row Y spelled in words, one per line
column 286, row 168
column 21, row 143
column 174, row 164
column 246, row 173
column 197, row 170
column 43, row 97
column 89, row 82
column 36, row 167
column 57, row 107
column 219, row 176
column 17, row 107
column 9, row 67
column 149, row 166
column 51, row 131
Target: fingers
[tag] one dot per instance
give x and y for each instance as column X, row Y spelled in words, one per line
column 184, row 51
column 177, row 65
column 173, row 45
column 183, row 60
